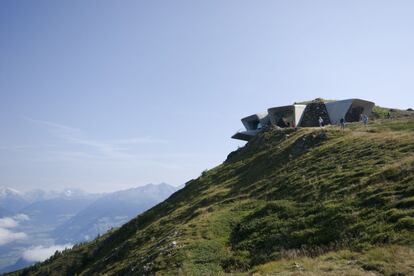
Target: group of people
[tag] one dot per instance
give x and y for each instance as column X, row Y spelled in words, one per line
column 341, row 122
column 363, row 118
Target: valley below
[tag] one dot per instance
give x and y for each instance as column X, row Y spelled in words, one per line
column 40, row 222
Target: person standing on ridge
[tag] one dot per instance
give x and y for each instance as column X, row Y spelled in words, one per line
column 364, row 119
column 342, row 123
column 320, row 121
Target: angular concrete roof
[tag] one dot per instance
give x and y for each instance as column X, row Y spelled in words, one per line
column 349, row 109
column 339, row 109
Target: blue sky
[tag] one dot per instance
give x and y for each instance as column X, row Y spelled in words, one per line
column 104, row 95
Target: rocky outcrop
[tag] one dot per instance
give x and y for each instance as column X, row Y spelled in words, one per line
column 311, row 115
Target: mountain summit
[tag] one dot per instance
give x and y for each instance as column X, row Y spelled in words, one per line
column 314, row 201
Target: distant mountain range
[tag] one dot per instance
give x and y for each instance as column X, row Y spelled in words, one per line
column 11, row 200
column 69, row 216
column 14, row 201
column 111, row 210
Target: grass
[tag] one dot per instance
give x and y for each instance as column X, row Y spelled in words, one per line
column 386, row 260
column 309, row 201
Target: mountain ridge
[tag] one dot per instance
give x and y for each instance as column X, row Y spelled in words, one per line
column 117, row 208
column 331, row 196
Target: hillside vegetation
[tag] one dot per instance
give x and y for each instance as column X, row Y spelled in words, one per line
column 291, row 202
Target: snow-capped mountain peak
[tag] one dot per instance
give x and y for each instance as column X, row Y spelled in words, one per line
column 6, row 191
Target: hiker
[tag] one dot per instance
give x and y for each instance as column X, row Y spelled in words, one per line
column 342, row 122
column 364, row 119
column 320, row 122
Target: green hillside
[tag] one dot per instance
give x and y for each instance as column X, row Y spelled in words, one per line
column 297, row 202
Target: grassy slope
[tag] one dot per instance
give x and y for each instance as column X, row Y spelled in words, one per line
column 308, row 201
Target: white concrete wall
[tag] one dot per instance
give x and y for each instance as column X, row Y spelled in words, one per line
column 299, row 109
column 367, row 105
column 337, row 110
column 260, row 117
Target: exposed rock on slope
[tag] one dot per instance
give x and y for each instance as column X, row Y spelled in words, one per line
column 312, row 112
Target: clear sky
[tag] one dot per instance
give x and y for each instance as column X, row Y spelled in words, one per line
column 104, row 95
